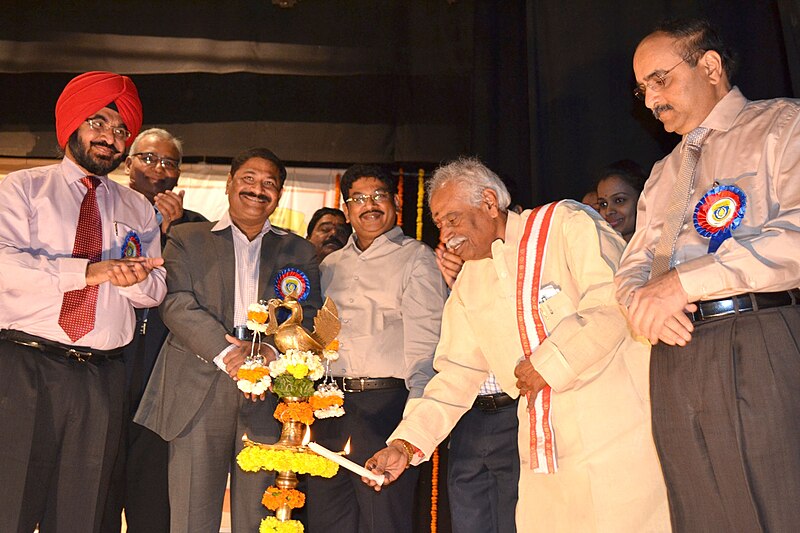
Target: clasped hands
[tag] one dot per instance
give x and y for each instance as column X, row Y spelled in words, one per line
column 121, row 272
column 656, row 310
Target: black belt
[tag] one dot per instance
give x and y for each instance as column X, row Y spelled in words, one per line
column 79, row 353
column 742, row 303
column 493, row 402
column 368, row 384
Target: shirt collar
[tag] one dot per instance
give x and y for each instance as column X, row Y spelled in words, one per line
column 725, row 112
column 394, row 235
column 225, row 222
column 513, row 223
column 72, row 173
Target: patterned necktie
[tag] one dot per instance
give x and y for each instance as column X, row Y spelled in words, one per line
column 78, row 308
column 676, row 212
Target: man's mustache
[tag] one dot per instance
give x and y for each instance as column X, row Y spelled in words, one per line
column 334, row 240
column 660, row 109
column 365, row 213
column 105, row 144
column 262, row 197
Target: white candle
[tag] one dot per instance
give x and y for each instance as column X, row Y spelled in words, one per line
column 345, row 462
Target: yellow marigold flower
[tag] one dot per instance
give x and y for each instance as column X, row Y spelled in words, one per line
column 255, row 458
column 272, row 525
column 298, row 371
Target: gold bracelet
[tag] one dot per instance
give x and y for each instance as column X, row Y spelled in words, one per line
column 409, row 450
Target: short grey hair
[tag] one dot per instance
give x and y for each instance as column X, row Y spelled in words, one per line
column 474, row 176
column 161, row 134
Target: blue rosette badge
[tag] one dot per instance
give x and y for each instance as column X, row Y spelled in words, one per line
column 131, row 246
column 718, row 213
column 292, row 281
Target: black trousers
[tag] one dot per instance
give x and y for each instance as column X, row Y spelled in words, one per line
column 725, row 421
column 139, row 483
column 60, row 422
column 343, row 503
column 483, row 471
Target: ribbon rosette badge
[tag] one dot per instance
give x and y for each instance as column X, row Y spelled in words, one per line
column 131, row 246
column 718, row 213
column 292, row 282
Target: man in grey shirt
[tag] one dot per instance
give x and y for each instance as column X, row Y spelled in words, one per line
column 390, row 297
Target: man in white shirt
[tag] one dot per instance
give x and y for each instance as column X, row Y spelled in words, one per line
column 390, row 296
column 77, row 254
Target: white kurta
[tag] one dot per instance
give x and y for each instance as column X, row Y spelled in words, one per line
column 609, row 479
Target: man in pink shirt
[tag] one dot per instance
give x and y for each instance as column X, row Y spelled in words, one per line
column 77, row 254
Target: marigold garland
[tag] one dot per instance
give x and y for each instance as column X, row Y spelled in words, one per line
column 272, row 525
column 420, row 198
column 299, row 411
column 400, row 196
column 435, row 490
column 255, row 458
column 275, row 498
column 337, row 190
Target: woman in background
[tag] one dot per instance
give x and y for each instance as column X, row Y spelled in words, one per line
column 618, row 189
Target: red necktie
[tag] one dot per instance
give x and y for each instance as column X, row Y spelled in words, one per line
column 78, row 308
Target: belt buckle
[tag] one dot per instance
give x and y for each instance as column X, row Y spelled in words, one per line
column 79, row 355
column 346, row 389
column 492, row 403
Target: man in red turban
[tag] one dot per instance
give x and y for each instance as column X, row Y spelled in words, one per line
column 78, row 253
column 92, row 91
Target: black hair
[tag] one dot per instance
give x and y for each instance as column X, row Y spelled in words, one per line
column 319, row 213
column 261, row 153
column 699, row 35
column 629, row 171
column 367, row 171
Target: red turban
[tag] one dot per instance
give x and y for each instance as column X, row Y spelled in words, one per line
column 88, row 93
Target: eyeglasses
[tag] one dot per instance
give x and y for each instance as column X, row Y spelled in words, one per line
column 377, row 197
column 167, row 163
column 120, row 134
column 658, row 80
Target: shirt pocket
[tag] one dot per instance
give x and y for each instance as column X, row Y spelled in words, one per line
column 127, row 240
column 555, row 309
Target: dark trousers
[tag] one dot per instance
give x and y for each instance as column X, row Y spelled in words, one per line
column 725, row 421
column 60, row 422
column 139, row 483
column 140, row 480
column 343, row 503
column 483, row 471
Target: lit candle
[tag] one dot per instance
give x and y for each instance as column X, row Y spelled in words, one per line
column 346, row 463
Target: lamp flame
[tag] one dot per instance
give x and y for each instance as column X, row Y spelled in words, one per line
column 244, row 437
column 346, row 450
column 307, row 436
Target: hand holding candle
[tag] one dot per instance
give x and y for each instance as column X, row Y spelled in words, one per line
column 341, row 461
column 346, row 463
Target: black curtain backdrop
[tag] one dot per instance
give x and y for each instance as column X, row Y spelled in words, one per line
column 540, row 90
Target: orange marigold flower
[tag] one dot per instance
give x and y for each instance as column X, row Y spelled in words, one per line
column 323, row 402
column 260, row 317
column 274, row 498
column 252, row 374
column 300, row 411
